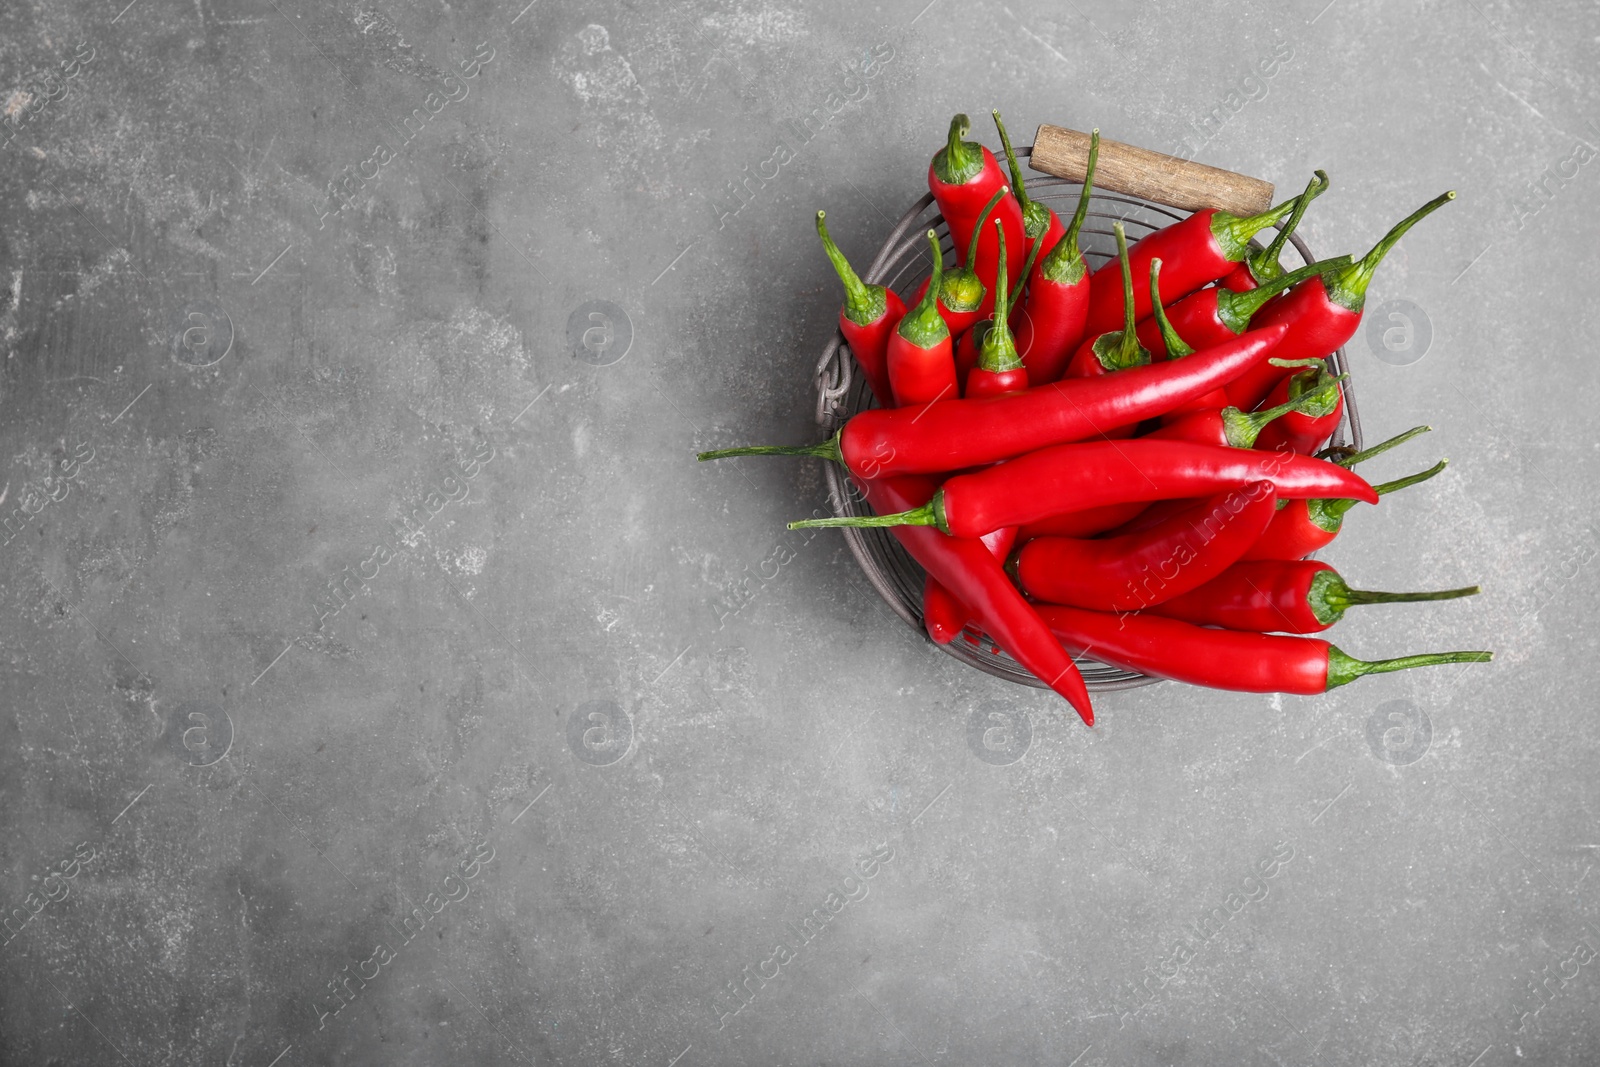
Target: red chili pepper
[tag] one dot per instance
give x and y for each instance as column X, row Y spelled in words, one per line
column 975, row 577
column 1303, row 526
column 999, row 370
column 1263, row 268
column 943, row 616
column 1042, row 225
column 963, row 296
column 1197, row 251
column 1302, row 596
column 1091, row 473
column 962, row 177
column 1137, row 570
column 1085, row 523
column 869, row 315
column 1320, row 403
column 1323, row 313
column 956, row 434
column 1050, row 324
column 1223, row 659
column 1228, row 427
column 922, row 367
column 1114, row 350
column 970, row 344
column 1212, row 315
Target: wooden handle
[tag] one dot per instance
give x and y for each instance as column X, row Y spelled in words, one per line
column 1155, row 176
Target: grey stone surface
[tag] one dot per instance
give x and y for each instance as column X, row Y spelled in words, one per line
column 538, row 773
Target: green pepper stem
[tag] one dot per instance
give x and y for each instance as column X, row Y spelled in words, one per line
column 863, row 304
column 1013, row 297
column 1348, row 287
column 1243, row 427
column 1176, row 346
column 828, row 449
column 962, row 289
column 998, row 351
column 1343, row 668
column 1376, row 450
column 1329, row 597
column 1371, row 596
column 1235, row 310
column 923, row 326
column 1035, row 216
column 972, row 243
column 1064, row 265
column 1410, row 479
column 959, row 161
column 1265, row 266
column 929, row 514
column 1233, row 233
column 1121, row 349
column 1330, row 513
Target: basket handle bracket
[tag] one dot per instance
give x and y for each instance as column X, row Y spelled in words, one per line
column 1153, row 176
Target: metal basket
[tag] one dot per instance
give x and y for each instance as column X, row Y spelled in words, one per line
column 901, row 264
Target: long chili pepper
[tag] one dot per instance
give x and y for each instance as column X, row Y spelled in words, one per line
column 1050, row 324
column 962, row 177
column 1321, row 406
column 999, row 370
column 1211, row 315
column 963, row 296
column 1323, row 313
column 1197, row 250
column 922, row 367
column 1091, row 473
column 1114, row 350
column 1263, row 268
column 869, row 315
column 956, row 434
column 1302, row 596
column 943, row 616
column 1042, row 225
column 976, row 578
column 1223, row 659
column 1137, row 570
column 970, row 344
column 1303, row 526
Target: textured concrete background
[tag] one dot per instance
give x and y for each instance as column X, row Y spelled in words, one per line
column 288, row 293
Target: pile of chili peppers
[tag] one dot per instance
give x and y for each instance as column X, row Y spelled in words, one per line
column 1120, row 463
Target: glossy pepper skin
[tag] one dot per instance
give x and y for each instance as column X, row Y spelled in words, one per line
column 963, row 176
column 969, row 346
column 1212, row 315
column 1092, row 473
column 970, row 571
column 1323, row 312
column 1085, row 523
column 1115, row 350
column 999, row 370
column 867, row 318
column 1137, row 570
column 1197, row 251
column 956, row 434
column 1285, row 596
column 1262, row 268
column 1306, row 429
column 1054, row 308
column 921, row 365
column 1222, row 659
column 943, row 616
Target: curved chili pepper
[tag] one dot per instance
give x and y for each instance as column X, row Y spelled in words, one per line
column 1223, row 659
column 944, row 616
column 1304, row 428
column 1091, row 473
column 1323, row 313
column 963, row 297
column 1114, row 350
column 1302, row 596
column 1050, row 321
column 1211, row 315
column 975, row 577
column 970, row 344
column 1197, row 250
column 1263, row 268
column 999, row 370
column 1137, row 570
column 921, row 366
column 869, row 315
column 956, row 434
column 962, row 177
column 1042, row 225
column 1302, row 526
